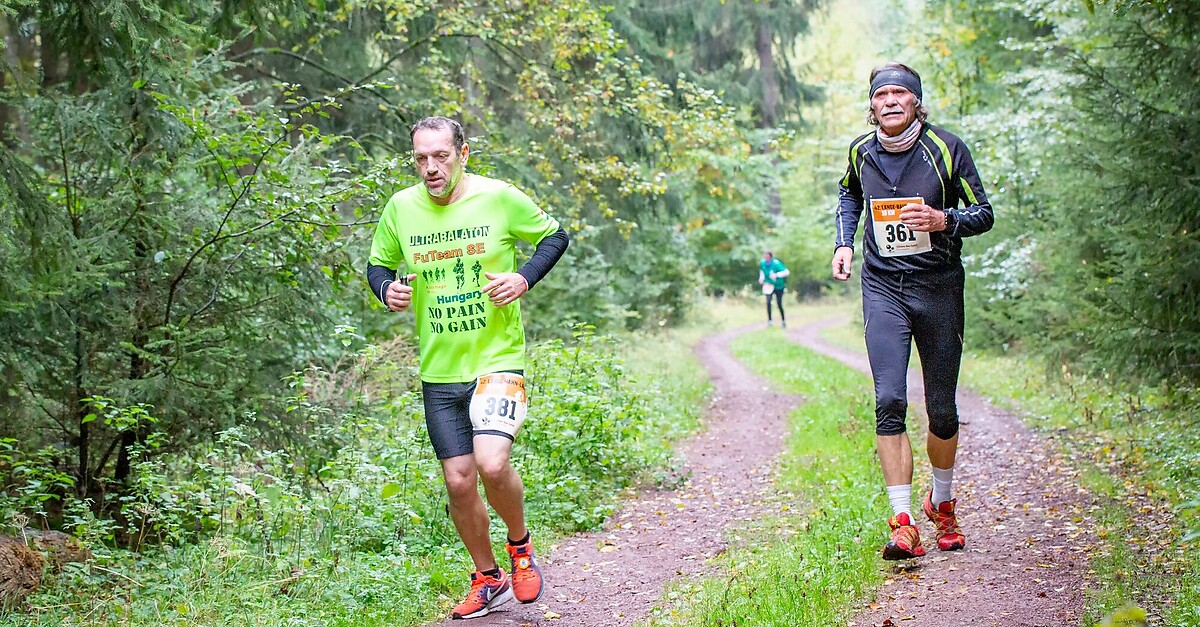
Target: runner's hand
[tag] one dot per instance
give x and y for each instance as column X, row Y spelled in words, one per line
column 922, row 218
column 505, row 287
column 399, row 294
column 843, row 259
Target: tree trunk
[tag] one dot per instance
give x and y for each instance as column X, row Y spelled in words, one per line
column 22, row 46
column 51, row 59
column 763, row 43
column 763, row 39
column 75, row 411
column 121, row 473
column 235, row 54
column 473, row 103
column 22, row 58
column 83, row 484
column 138, row 368
column 5, row 113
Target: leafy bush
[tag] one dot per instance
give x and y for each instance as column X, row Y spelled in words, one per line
column 590, row 434
column 29, row 483
column 349, row 509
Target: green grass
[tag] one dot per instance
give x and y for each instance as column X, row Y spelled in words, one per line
column 365, row 559
column 814, row 562
column 1135, row 448
column 850, row 335
column 230, row 583
column 1138, row 451
column 752, row 308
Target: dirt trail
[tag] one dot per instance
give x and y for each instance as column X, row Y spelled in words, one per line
column 1021, row 509
column 616, row 576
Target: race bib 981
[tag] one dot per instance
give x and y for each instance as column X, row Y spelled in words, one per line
column 499, row 403
column 891, row 236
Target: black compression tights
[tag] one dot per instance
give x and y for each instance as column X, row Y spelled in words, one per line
column 778, row 295
column 926, row 308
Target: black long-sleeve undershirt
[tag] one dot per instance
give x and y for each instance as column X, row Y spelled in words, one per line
column 545, row 255
column 379, row 277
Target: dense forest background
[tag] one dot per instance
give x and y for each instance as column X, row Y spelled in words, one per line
column 188, row 189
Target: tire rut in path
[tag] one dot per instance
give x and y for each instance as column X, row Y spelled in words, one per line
column 616, row 576
column 1021, row 509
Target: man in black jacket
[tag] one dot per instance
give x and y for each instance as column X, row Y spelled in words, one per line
column 913, row 175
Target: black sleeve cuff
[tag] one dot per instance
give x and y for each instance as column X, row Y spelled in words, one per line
column 379, row 277
column 545, row 256
column 951, row 222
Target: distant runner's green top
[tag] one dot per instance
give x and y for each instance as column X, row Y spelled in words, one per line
column 461, row 333
column 775, row 266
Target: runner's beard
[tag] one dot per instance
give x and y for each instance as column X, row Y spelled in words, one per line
column 455, row 177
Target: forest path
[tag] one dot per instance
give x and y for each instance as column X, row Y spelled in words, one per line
column 616, row 576
column 1020, row 507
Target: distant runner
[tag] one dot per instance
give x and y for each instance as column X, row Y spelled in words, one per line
column 455, row 233
column 913, row 175
column 772, row 275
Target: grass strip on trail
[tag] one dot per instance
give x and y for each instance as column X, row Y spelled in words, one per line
column 818, row 559
column 1138, row 452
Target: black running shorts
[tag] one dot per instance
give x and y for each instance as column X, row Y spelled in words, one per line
column 448, row 418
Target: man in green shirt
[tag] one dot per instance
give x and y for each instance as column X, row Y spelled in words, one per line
column 772, row 276
column 456, row 233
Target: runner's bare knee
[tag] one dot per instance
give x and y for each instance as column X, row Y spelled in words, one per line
column 493, row 468
column 461, row 479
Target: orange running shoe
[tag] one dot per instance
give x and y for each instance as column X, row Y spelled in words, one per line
column 949, row 536
column 905, row 542
column 526, row 576
column 487, row 593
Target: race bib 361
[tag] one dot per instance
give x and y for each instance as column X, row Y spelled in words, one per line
column 891, row 236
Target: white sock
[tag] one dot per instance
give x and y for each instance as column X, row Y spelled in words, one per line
column 942, row 478
column 900, row 496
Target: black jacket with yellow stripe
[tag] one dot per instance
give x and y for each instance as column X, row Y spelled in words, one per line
column 941, row 172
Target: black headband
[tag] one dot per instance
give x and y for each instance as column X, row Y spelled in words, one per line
column 896, row 76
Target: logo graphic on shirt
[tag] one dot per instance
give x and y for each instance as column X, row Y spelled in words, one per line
column 459, row 274
column 430, row 255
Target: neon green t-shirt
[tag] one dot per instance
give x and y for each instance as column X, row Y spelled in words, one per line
column 462, row 335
